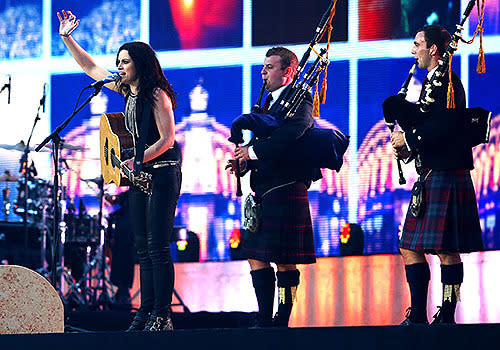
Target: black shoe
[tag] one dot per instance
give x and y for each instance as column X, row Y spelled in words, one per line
column 408, row 321
column 139, row 321
column 122, row 297
column 159, row 323
column 280, row 321
column 438, row 318
column 257, row 322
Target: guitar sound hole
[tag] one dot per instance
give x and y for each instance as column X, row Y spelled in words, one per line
column 112, row 157
column 106, row 155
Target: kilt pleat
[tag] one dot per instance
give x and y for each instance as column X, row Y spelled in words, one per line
column 451, row 220
column 285, row 235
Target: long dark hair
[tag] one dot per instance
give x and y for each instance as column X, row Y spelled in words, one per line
column 148, row 72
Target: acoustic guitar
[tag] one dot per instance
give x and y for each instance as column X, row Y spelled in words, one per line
column 116, row 145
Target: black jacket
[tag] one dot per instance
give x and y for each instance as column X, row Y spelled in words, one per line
column 269, row 170
column 439, row 135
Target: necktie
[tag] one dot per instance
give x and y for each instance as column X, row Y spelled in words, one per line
column 267, row 103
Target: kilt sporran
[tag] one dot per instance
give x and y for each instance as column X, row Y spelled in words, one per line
column 252, row 214
column 417, row 201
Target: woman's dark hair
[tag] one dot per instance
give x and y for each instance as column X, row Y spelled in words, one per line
column 148, row 72
column 435, row 34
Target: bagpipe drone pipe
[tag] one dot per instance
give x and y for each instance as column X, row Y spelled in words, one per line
column 472, row 125
column 316, row 148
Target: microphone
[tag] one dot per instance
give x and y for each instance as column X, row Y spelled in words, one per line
column 8, row 96
column 115, row 77
column 8, row 87
column 42, row 100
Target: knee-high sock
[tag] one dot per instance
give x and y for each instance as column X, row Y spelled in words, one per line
column 263, row 282
column 418, row 277
column 287, row 287
column 452, row 277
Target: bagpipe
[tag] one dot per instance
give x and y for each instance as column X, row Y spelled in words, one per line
column 317, row 148
column 475, row 122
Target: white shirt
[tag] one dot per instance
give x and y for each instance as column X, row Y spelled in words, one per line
column 429, row 76
column 275, row 94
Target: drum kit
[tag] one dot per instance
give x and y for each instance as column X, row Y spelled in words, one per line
column 82, row 268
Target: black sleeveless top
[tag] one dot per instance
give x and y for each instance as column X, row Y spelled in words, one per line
column 133, row 117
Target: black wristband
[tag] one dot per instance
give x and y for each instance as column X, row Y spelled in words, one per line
column 64, row 35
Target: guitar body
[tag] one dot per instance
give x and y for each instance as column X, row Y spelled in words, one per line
column 114, row 138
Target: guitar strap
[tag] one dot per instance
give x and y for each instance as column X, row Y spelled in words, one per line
column 143, row 135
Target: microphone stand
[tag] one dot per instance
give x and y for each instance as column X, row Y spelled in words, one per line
column 105, row 299
column 25, row 168
column 56, row 146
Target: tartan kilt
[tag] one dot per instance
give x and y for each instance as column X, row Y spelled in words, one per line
column 285, row 235
column 450, row 222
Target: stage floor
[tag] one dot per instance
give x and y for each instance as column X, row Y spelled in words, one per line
column 344, row 291
column 467, row 337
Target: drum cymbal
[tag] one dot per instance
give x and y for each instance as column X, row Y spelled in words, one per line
column 8, row 178
column 96, row 180
column 79, row 159
column 69, row 146
column 18, row 147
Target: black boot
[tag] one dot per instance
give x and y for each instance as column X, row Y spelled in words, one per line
column 139, row 321
column 147, row 300
column 287, row 288
column 263, row 282
column 452, row 277
column 160, row 322
column 418, row 277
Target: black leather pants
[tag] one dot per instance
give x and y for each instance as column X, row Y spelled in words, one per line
column 152, row 220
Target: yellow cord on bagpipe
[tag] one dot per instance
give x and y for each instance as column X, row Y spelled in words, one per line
column 315, row 111
column 321, row 97
column 481, row 65
column 450, row 96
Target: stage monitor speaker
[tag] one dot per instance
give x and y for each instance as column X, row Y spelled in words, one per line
column 28, row 303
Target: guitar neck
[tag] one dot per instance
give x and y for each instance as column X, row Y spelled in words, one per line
column 126, row 171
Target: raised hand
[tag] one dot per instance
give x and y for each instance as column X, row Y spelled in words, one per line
column 67, row 23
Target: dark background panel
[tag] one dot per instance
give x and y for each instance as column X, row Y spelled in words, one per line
column 281, row 22
column 389, row 19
